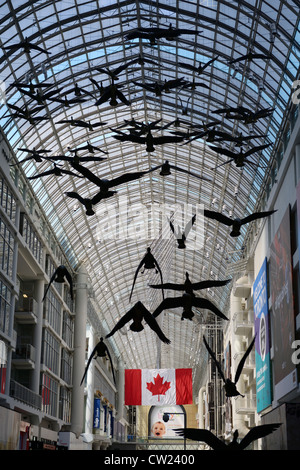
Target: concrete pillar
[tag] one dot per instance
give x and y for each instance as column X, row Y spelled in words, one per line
column 37, row 335
column 297, row 160
column 238, row 420
column 120, row 391
column 81, row 301
column 89, row 407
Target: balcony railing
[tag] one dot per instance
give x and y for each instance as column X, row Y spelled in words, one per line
column 242, row 322
column 25, row 351
column 245, row 405
column 25, row 395
column 26, row 310
column 249, row 364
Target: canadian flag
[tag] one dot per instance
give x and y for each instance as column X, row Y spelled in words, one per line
column 158, row 387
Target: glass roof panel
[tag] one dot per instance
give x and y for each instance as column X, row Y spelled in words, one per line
column 85, row 35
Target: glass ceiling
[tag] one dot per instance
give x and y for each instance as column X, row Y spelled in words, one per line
column 79, row 37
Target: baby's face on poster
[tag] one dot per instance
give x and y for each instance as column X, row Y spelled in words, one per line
column 158, row 429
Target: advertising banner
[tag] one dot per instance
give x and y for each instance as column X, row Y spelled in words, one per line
column 96, row 418
column 282, row 309
column 160, row 429
column 262, row 340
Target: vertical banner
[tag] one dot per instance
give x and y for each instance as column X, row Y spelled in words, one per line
column 262, row 341
column 96, row 417
column 282, row 309
column 298, row 212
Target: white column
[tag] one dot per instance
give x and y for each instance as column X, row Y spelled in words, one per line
column 89, row 408
column 37, row 336
column 120, row 392
column 81, row 299
column 297, row 159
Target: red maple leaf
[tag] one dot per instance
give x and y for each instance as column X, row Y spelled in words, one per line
column 158, row 387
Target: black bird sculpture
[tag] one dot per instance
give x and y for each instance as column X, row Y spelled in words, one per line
column 187, row 301
column 147, row 262
column 158, row 88
column 166, row 168
column 26, row 45
column 91, row 148
column 229, row 386
column 153, row 34
column 197, row 68
column 188, row 286
column 60, row 275
column 239, row 139
column 204, row 435
column 31, row 86
column 104, row 184
column 65, row 101
column 79, row 91
column 100, row 350
column 237, row 222
column 149, row 140
column 88, row 203
column 139, row 128
column 40, row 97
column 34, row 154
column 114, row 74
column 240, row 158
column 76, row 158
column 249, row 57
column 181, row 238
column 138, row 313
column 80, row 123
column 247, row 116
column 112, row 93
column 27, row 114
column 56, row 171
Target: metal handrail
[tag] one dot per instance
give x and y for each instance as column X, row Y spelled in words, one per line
column 25, row 395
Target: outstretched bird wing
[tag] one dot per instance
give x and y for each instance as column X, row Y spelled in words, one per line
column 111, row 363
column 170, row 302
column 160, row 273
column 257, row 433
column 189, row 225
column 135, row 275
column 214, row 359
column 218, row 216
column 122, row 322
column 208, row 284
column 256, row 215
column 51, row 280
column 207, row 304
column 88, row 363
column 242, row 361
column 256, row 149
column 53, row 172
column 126, row 177
column 190, row 173
column 70, row 281
column 75, row 195
column 155, row 326
column 202, row 435
column 168, row 285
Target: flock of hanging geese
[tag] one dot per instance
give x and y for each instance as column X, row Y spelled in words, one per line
column 142, row 133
